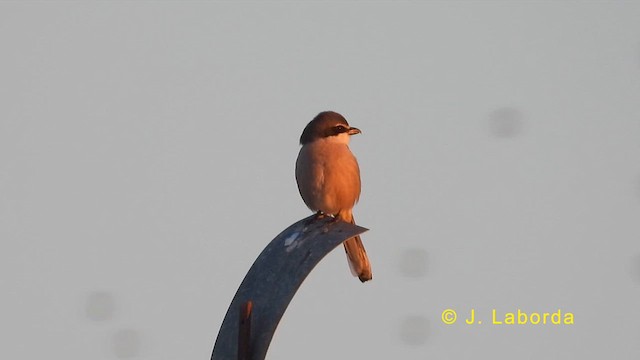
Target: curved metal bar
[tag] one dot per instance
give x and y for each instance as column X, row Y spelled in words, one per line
column 273, row 280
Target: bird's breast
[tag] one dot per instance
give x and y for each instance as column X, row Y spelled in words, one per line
column 328, row 176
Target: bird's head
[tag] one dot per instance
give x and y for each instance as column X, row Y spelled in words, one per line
column 328, row 125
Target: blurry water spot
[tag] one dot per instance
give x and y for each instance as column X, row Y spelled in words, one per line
column 505, row 122
column 126, row 343
column 414, row 330
column 100, row 306
column 413, row 263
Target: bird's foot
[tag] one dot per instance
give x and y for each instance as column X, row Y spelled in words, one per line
column 317, row 216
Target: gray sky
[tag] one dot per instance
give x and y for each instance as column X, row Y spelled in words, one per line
column 147, row 153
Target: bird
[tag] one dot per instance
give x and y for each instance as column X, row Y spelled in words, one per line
column 328, row 178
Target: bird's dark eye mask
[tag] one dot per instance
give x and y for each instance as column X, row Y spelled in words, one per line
column 338, row 129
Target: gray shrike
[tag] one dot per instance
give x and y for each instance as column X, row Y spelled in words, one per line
column 328, row 178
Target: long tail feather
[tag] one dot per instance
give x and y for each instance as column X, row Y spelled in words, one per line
column 357, row 257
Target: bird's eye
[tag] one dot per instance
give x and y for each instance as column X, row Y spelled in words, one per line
column 337, row 130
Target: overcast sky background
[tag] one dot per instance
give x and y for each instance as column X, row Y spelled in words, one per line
column 147, row 156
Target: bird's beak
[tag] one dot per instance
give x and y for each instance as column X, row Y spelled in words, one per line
column 353, row 131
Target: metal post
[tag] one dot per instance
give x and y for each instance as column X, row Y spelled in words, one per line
column 271, row 283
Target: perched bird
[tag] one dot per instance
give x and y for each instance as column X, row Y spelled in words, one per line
column 328, row 178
